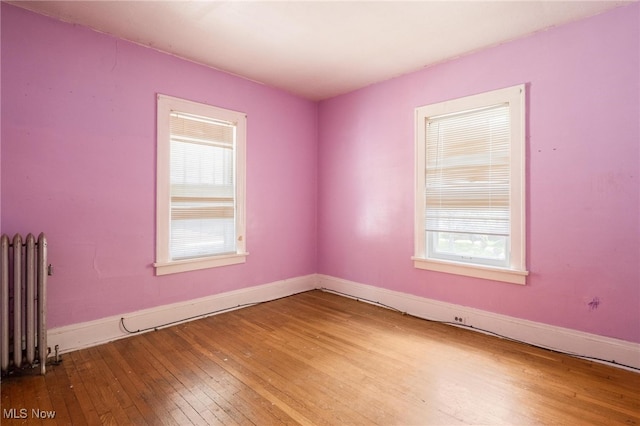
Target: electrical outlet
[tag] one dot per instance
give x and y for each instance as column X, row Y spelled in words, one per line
column 460, row 319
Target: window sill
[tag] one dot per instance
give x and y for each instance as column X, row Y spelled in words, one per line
column 176, row 266
column 485, row 272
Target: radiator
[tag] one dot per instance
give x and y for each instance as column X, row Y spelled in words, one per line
column 23, row 296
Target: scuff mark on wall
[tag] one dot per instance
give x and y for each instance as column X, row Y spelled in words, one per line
column 593, row 305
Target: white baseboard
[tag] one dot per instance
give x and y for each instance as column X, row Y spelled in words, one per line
column 92, row 333
column 614, row 351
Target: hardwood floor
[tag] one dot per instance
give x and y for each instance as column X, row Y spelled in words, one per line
column 318, row 358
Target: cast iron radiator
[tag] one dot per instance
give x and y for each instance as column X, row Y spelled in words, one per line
column 23, row 302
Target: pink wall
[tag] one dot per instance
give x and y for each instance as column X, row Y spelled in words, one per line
column 78, row 161
column 583, row 177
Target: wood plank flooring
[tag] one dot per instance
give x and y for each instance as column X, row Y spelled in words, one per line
column 321, row 359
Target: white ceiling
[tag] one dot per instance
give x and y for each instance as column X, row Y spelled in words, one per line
column 319, row 49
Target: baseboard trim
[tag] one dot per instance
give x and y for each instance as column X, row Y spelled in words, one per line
column 605, row 349
column 91, row 333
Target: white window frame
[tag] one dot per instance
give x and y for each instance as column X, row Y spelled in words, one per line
column 515, row 272
column 164, row 264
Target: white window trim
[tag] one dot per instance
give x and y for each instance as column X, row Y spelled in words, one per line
column 516, row 272
column 164, row 265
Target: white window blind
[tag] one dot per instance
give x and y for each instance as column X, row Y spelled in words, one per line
column 467, row 183
column 470, row 193
column 202, row 186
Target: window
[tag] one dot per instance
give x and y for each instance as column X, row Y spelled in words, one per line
column 470, row 194
column 200, row 186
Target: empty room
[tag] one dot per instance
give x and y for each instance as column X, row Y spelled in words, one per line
column 320, row 213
